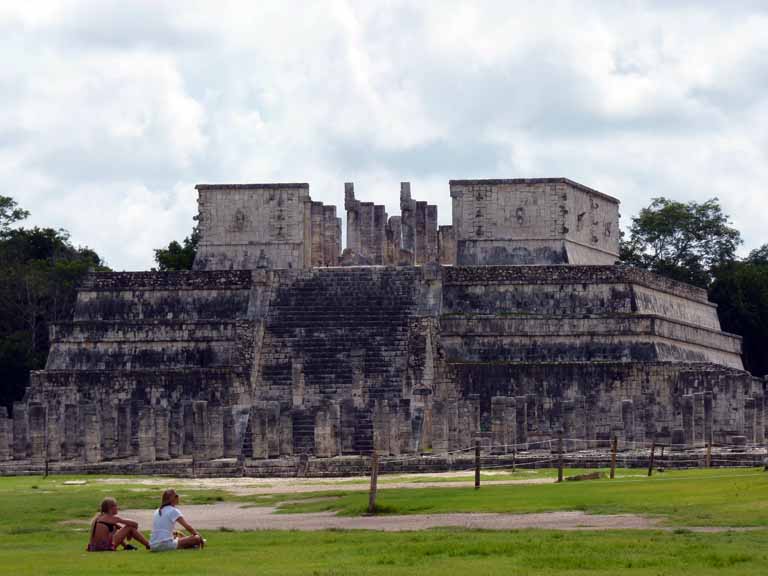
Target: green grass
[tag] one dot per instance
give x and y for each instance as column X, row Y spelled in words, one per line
column 687, row 497
column 34, row 541
column 426, row 553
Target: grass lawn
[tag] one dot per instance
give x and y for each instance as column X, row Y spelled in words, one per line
column 712, row 497
column 34, row 541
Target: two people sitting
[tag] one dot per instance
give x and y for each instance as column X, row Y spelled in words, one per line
column 109, row 531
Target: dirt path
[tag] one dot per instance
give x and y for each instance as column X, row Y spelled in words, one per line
column 257, row 486
column 234, row 516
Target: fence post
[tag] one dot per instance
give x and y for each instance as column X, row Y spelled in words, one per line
column 708, row 459
column 614, row 448
column 477, row 464
column 559, row 456
column 650, row 461
column 514, row 459
column 374, row 482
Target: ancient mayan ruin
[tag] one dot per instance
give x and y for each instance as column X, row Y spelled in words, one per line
column 511, row 325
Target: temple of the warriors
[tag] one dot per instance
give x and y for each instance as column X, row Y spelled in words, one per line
column 511, row 325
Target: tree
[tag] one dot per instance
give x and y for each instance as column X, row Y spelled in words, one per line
column 10, row 213
column 683, row 241
column 40, row 271
column 740, row 291
column 759, row 255
column 177, row 256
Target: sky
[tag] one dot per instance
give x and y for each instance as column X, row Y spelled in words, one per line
column 111, row 111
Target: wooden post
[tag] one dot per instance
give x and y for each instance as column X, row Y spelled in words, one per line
column 708, row 459
column 374, row 482
column 650, row 461
column 559, row 456
column 614, row 448
column 514, row 459
column 477, row 464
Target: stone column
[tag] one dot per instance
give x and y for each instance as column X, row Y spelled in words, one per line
column 6, row 436
column 109, row 432
column 408, row 219
column 353, row 225
column 699, row 433
column 381, row 427
column 189, row 429
column 20, row 431
column 273, row 429
column 498, row 424
column 231, row 447
column 440, row 434
column 286, row 434
column 431, row 245
column 521, row 404
column 687, row 406
column 259, row 434
column 405, row 432
column 708, row 417
column 759, row 418
column 147, row 451
column 628, row 420
column 510, row 422
column 379, row 235
column 215, row 431
column 37, row 432
column 421, row 232
column 91, row 433
column 348, row 418
column 124, row 430
column 749, row 419
column 54, row 434
column 568, row 409
column 162, row 439
column 176, row 432
column 200, row 428
column 326, row 431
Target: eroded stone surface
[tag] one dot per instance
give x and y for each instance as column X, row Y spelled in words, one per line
column 293, row 356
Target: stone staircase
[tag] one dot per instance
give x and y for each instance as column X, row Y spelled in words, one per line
column 338, row 333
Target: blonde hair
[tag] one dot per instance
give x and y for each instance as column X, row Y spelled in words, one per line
column 107, row 504
column 106, row 508
column 167, row 500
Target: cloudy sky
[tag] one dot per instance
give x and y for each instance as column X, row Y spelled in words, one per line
column 111, row 111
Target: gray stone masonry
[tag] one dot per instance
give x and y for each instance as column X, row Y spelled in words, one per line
column 279, row 352
column 6, row 435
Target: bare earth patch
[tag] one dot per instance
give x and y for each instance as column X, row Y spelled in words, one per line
column 260, row 486
column 235, row 516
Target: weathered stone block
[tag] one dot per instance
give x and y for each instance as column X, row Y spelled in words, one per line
column 6, row 435
column 20, row 431
column 91, row 441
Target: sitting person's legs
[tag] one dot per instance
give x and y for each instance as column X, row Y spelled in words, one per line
column 126, row 533
column 190, row 542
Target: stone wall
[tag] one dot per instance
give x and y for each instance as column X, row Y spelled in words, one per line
column 375, row 239
column 250, row 226
column 634, row 401
column 335, row 362
column 533, row 221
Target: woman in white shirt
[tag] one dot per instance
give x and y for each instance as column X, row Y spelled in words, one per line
column 163, row 536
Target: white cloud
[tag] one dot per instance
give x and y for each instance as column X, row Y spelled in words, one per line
column 110, row 112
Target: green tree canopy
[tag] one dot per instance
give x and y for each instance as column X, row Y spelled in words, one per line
column 759, row 255
column 10, row 213
column 683, row 241
column 177, row 256
column 740, row 291
column 40, row 270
